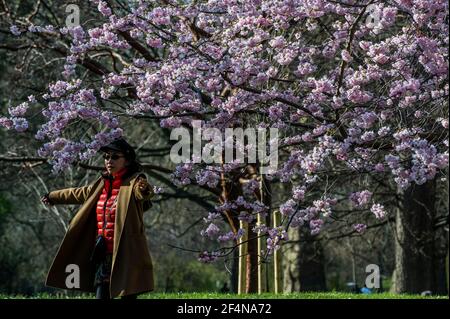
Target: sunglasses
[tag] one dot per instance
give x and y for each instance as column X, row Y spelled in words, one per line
column 114, row 157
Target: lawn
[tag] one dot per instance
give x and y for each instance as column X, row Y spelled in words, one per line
column 302, row 295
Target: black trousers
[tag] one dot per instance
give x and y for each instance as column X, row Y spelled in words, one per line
column 102, row 292
column 102, row 278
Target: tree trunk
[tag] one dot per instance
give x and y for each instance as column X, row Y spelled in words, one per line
column 252, row 262
column 291, row 263
column 417, row 266
column 303, row 264
column 234, row 277
column 231, row 189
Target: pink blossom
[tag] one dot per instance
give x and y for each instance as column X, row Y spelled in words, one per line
column 381, row 58
column 19, row 110
column 366, row 120
column 402, row 87
column 443, row 122
column 356, row 95
column 324, row 205
column 360, row 228
column 208, row 257
column 378, row 211
column 15, row 30
column 211, row 231
column 207, row 177
column 34, row 29
column 361, row 198
column 158, row 190
column 170, row 122
column 305, row 69
column 77, row 33
column 20, row 124
column 276, row 237
column 154, row 42
column 368, row 136
column 226, row 237
column 6, row 122
column 277, row 42
column 160, row 16
column 298, row 193
column 288, row 208
column 286, row 56
column 251, row 186
column 87, row 96
column 383, row 131
column 315, row 226
column 104, row 9
column 181, row 175
column 276, row 112
column 388, row 16
column 116, row 80
column 346, row 56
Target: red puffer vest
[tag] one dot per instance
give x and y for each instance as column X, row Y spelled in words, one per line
column 106, row 207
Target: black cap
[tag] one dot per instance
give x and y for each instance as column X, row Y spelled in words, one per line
column 120, row 145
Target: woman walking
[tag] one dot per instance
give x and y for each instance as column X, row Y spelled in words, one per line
column 106, row 238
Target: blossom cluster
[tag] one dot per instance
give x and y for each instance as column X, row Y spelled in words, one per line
column 342, row 95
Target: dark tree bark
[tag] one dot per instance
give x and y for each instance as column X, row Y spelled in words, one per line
column 304, row 268
column 252, row 261
column 419, row 265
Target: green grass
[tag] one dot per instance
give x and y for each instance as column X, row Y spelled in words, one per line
column 302, row 295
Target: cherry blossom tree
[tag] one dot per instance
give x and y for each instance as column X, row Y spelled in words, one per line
column 356, row 87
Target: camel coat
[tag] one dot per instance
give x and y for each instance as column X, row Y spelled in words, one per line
column 132, row 268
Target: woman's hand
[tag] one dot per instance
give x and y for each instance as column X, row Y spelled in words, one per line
column 143, row 186
column 46, row 200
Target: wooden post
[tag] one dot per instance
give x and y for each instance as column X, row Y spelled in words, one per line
column 262, row 280
column 242, row 258
column 276, row 258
